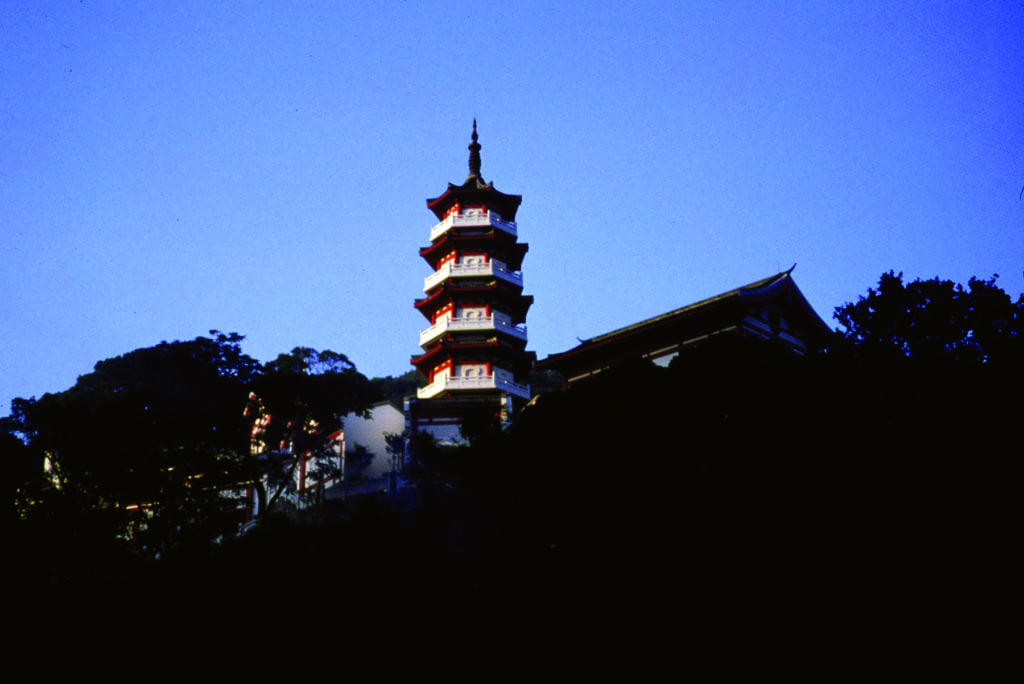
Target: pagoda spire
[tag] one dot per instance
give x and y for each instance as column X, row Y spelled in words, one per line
column 474, row 157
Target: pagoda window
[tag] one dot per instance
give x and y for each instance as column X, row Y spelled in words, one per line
column 473, row 370
column 471, row 312
column 473, row 259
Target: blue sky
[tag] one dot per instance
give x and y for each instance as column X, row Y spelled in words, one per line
column 171, row 168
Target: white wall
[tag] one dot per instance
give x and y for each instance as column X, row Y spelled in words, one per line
column 369, row 432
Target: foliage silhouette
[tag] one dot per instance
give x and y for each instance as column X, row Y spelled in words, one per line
column 934, row 320
column 300, row 399
column 397, row 389
column 165, row 430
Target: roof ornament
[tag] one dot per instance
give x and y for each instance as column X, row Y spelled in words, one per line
column 474, row 157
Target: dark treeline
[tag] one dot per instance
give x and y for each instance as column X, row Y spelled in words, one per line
column 871, row 484
column 743, row 474
column 866, row 487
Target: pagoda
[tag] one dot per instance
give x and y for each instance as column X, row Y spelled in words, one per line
column 474, row 348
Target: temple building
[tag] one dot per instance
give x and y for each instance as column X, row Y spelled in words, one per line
column 771, row 308
column 474, row 347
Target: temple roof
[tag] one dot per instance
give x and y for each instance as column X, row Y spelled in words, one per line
column 475, row 190
column 766, row 288
column 756, row 291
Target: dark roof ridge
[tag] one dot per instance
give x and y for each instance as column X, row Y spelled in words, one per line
column 758, row 287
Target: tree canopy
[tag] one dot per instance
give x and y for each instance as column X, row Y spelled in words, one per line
column 130, row 429
column 299, row 401
column 934, row 319
column 169, row 427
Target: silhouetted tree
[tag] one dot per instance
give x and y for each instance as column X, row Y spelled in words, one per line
column 21, row 473
column 396, row 389
column 166, row 429
column 160, row 426
column 934, row 319
column 300, row 399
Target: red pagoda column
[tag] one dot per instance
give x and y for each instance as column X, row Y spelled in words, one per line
column 474, row 348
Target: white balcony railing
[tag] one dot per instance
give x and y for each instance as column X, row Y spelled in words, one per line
column 491, row 268
column 475, row 383
column 470, row 324
column 482, row 219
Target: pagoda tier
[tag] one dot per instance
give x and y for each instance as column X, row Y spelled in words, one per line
column 471, row 321
column 474, row 194
column 476, row 343
column 492, row 351
column 501, row 246
column 499, row 294
column 476, row 366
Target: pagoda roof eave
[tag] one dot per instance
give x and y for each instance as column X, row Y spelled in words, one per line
column 517, row 305
column 507, row 293
column 503, row 239
column 512, row 258
column 474, row 189
column 521, row 358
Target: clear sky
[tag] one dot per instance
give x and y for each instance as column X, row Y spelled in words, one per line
column 256, row 167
